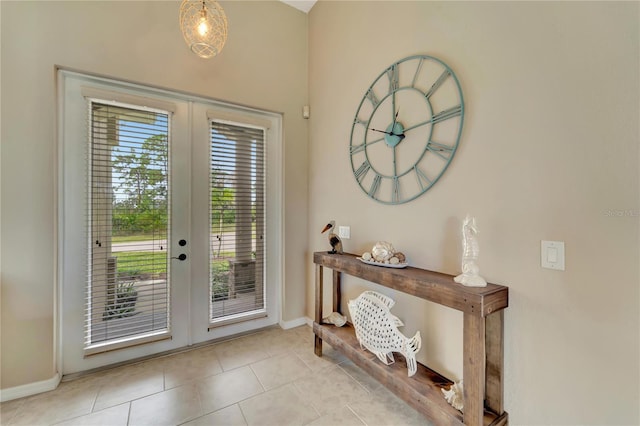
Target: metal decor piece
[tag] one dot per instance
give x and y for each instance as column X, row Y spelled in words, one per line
column 377, row 329
column 406, row 129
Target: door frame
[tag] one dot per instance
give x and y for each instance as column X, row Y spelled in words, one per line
column 275, row 216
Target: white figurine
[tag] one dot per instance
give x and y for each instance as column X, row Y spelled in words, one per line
column 455, row 396
column 470, row 252
column 336, row 319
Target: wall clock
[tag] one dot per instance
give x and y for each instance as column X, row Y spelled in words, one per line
column 406, row 129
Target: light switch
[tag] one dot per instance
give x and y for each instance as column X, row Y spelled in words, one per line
column 552, row 255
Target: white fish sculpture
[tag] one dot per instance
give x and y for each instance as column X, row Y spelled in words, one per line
column 377, row 329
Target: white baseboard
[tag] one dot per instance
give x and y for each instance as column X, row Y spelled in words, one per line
column 285, row 325
column 30, row 389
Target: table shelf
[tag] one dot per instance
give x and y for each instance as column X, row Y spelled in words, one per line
column 483, row 340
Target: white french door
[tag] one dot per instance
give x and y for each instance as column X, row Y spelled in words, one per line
column 165, row 235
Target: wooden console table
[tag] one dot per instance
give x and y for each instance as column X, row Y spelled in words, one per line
column 483, row 346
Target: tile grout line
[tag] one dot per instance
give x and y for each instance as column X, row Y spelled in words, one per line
column 356, row 414
column 299, row 391
column 201, row 410
column 93, row 405
column 303, row 363
column 129, row 413
column 237, row 402
column 244, row 417
column 17, row 410
column 164, row 377
column 354, row 379
column 264, row 388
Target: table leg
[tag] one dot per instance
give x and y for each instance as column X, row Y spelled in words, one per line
column 336, row 291
column 474, row 369
column 494, row 381
column 319, row 300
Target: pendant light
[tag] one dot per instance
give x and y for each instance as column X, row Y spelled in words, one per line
column 204, row 26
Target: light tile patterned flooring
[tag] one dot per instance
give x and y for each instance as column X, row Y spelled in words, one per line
column 268, row 378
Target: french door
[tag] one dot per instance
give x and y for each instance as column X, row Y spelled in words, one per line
column 166, row 235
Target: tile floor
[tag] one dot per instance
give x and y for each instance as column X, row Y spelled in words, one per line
column 268, row 378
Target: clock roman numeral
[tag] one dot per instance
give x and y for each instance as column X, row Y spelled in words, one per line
column 392, row 74
column 442, row 151
column 362, row 170
column 375, row 185
column 422, row 178
column 437, row 84
column 373, row 98
column 447, row 114
column 395, row 195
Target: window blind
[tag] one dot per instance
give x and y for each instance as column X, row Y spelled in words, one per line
column 237, row 251
column 128, row 225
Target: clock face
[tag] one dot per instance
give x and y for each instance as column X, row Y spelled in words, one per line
column 406, row 129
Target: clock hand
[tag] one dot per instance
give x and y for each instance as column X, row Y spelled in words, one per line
column 401, row 135
column 393, row 127
column 386, row 133
column 395, row 119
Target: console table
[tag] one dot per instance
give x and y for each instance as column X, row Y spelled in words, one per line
column 483, row 334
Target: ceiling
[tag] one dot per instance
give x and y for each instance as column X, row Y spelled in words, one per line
column 303, row 5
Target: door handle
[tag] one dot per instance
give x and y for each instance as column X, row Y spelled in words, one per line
column 181, row 257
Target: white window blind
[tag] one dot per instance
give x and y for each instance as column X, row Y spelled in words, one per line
column 128, row 224
column 237, row 217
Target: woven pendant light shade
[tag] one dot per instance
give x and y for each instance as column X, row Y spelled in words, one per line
column 204, row 26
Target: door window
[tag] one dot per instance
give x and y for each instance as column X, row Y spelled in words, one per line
column 128, row 218
column 237, row 222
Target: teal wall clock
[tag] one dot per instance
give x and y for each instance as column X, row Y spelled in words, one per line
column 406, row 129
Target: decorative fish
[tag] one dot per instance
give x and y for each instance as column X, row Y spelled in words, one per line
column 377, row 329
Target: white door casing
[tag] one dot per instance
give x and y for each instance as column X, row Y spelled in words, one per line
column 189, row 215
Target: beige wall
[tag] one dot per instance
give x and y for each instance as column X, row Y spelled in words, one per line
column 262, row 65
column 549, row 151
